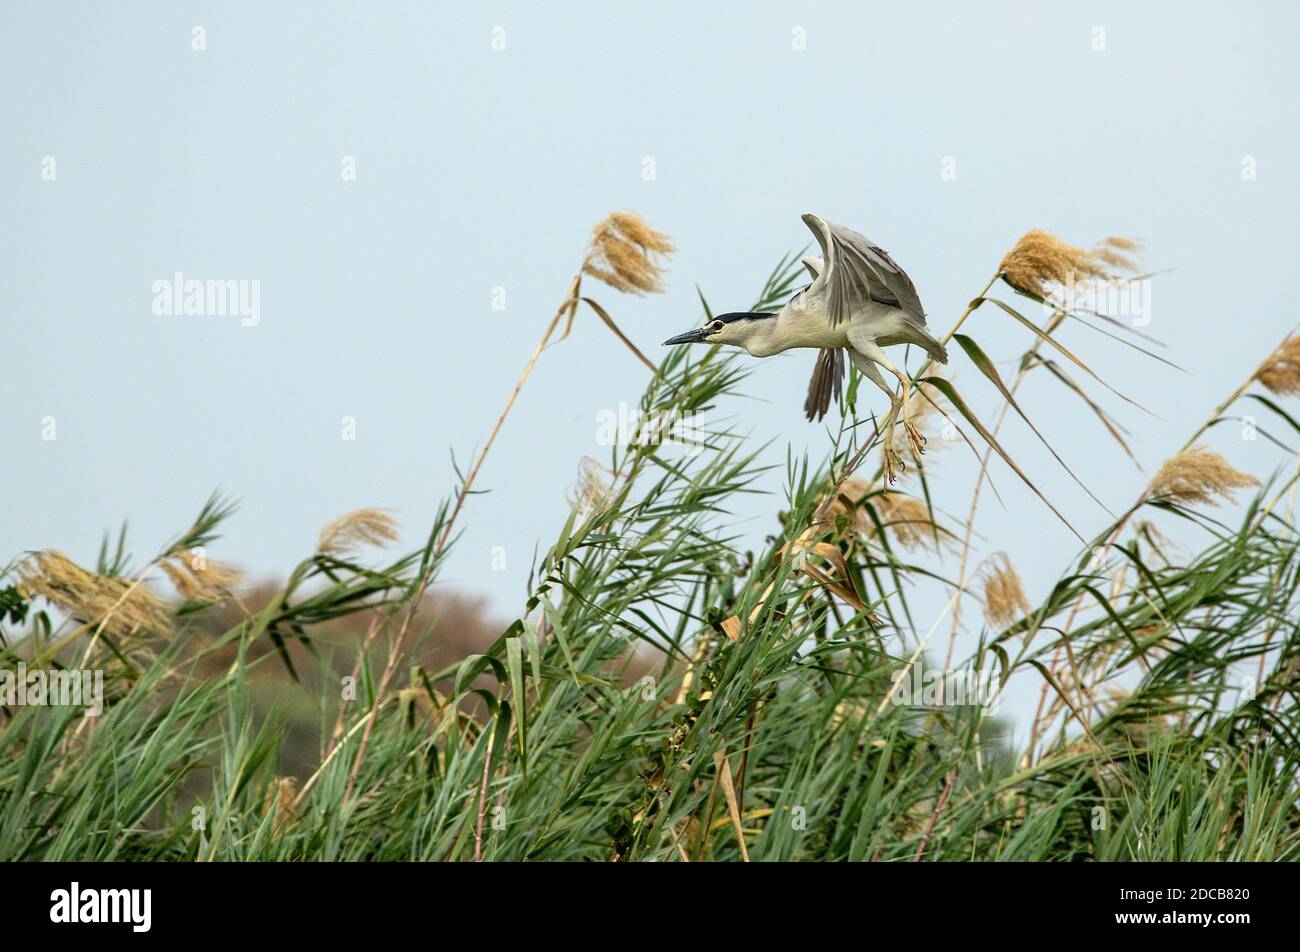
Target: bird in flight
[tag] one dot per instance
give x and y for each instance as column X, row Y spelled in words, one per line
column 859, row 302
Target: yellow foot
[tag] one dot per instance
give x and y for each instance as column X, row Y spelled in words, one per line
column 914, row 439
column 893, row 464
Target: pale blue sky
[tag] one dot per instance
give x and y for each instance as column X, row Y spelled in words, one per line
column 479, row 168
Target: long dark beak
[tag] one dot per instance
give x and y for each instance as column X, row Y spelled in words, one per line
column 690, row 337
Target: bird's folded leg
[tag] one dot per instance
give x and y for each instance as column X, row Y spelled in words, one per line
column 915, row 441
column 914, row 438
column 893, row 461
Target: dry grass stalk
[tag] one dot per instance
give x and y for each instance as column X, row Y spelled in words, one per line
column 197, row 578
column 1004, row 596
column 369, row 526
column 1280, row 374
column 121, row 606
column 1040, row 260
column 1199, row 475
column 626, row 254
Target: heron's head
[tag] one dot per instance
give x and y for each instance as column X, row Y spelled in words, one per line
column 739, row 330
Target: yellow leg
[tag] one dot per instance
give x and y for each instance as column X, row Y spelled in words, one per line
column 893, row 462
column 915, row 441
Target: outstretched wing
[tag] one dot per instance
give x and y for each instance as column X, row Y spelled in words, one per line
column 827, row 378
column 858, row 271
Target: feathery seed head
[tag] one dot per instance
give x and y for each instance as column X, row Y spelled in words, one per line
column 1281, row 372
column 852, row 489
column 592, row 491
column 626, row 254
column 369, row 526
column 198, row 578
column 1160, row 544
column 1199, row 474
column 121, row 606
column 905, row 517
column 1040, row 260
column 1004, row 596
column 279, row 802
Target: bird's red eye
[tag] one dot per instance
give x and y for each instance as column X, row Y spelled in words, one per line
column 717, row 326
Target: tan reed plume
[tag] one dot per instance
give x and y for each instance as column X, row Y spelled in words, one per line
column 351, row 531
column 1280, row 373
column 1004, row 596
column 123, row 608
column 1199, row 474
column 626, row 254
column 592, row 491
column 1040, row 260
column 198, row 578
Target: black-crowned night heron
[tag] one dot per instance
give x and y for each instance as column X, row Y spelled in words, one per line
column 860, row 301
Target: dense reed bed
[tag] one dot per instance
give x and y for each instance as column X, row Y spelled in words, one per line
column 666, row 694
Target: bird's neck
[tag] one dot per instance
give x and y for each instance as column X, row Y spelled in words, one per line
column 795, row 326
column 765, row 338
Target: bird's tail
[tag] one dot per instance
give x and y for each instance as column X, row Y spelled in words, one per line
column 938, row 353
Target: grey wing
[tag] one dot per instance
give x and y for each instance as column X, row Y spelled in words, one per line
column 827, row 378
column 858, row 271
